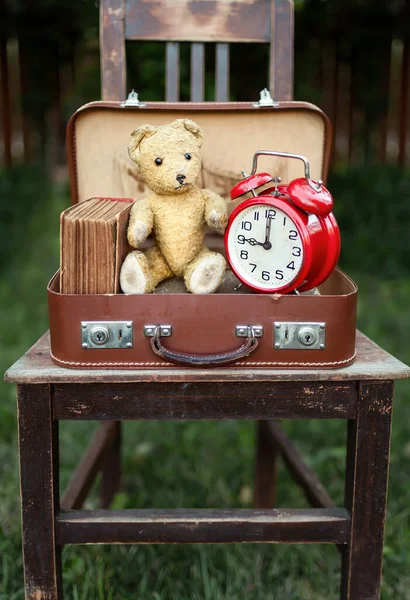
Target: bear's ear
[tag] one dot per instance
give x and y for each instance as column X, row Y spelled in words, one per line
column 136, row 138
column 191, row 127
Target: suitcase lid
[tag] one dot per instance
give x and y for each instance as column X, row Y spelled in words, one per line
column 98, row 134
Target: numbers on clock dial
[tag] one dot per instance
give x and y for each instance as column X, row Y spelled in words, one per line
column 272, row 265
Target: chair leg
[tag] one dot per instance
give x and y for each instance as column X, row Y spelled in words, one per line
column 39, row 475
column 368, row 449
column 265, row 476
column 111, row 470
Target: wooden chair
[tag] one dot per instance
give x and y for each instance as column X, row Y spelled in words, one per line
column 362, row 393
column 173, row 21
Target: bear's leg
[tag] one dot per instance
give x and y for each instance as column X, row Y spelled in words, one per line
column 204, row 274
column 158, row 267
column 141, row 272
column 134, row 276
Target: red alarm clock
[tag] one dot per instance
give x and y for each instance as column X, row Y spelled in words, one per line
column 282, row 238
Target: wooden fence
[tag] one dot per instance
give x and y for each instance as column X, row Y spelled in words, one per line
column 336, row 82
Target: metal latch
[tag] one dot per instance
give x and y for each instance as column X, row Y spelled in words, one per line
column 247, row 330
column 106, row 334
column 299, row 336
column 133, row 100
column 265, row 99
column 163, row 330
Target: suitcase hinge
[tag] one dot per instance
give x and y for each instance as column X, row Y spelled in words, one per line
column 265, row 99
column 133, row 100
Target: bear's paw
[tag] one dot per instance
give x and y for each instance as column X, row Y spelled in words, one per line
column 217, row 220
column 134, row 275
column 137, row 233
column 207, row 275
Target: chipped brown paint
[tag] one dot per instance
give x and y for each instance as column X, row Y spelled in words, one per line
column 203, row 20
column 112, row 50
column 384, row 406
column 39, row 492
column 114, row 57
column 38, row 594
column 229, row 399
column 366, row 488
column 308, row 391
column 117, row 13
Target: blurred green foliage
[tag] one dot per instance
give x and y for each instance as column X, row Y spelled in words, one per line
column 202, row 479
column 23, row 192
column 372, row 206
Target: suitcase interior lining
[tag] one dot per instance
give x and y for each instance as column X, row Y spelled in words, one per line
column 102, row 166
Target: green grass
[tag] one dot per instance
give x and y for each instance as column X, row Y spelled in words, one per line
column 193, row 464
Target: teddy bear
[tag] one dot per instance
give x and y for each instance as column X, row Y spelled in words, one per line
column 176, row 212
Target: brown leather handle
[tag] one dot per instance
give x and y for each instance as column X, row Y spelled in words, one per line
column 203, row 360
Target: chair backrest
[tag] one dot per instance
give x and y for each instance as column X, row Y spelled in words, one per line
column 196, row 21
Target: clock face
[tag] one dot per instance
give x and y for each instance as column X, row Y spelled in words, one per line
column 265, row 248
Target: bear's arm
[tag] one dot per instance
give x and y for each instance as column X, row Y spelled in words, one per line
column 140, row 223
column 216, row 213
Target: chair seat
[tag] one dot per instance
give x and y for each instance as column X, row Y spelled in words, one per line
column 372, row 362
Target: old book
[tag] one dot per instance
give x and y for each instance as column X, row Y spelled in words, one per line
column 93, row 245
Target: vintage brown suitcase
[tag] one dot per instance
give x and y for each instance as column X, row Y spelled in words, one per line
column 233, row 326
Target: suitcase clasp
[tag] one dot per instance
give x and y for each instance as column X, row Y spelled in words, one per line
column 299, row 336
column 106, row 334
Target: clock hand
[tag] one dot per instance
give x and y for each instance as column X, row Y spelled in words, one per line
column 254, row 242
column 267, row 244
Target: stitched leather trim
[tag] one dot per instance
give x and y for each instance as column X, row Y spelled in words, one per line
column 63, row 363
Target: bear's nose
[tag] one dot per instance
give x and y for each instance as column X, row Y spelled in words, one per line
column 180, row 179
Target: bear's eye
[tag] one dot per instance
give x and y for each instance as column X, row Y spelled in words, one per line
column 188, row 156
column 158, row 161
